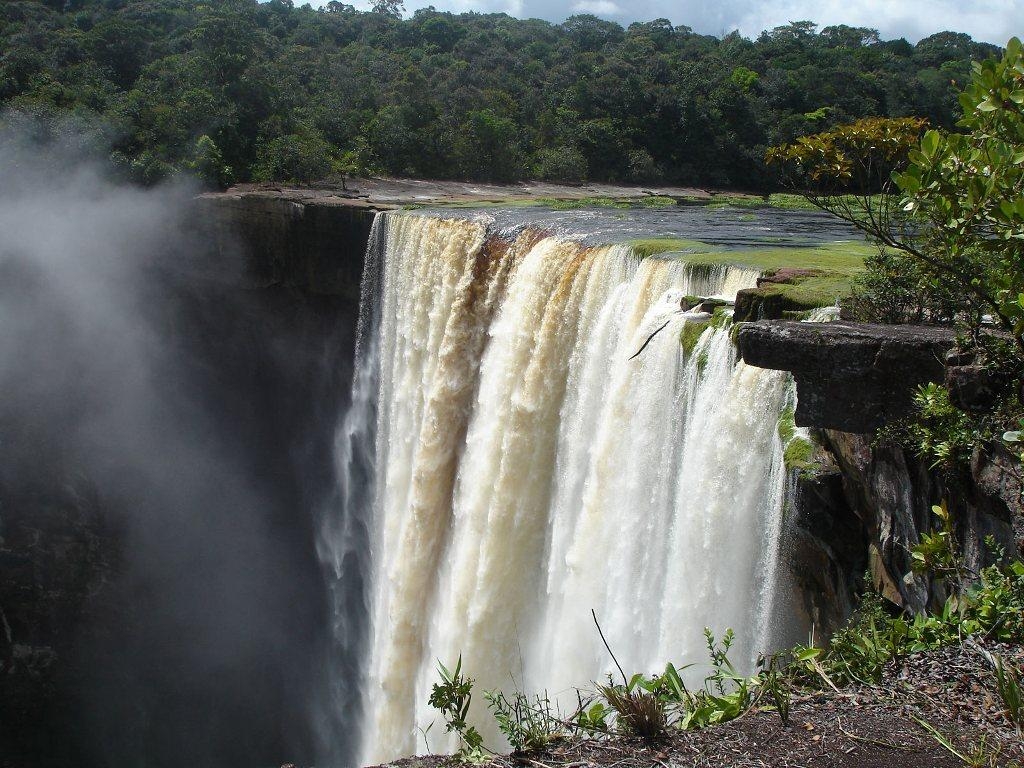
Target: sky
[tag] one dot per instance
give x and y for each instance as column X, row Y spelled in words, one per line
column 993, row 21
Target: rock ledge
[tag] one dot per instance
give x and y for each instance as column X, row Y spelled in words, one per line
column 852, row 377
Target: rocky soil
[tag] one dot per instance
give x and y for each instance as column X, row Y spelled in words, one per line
column 951, row 690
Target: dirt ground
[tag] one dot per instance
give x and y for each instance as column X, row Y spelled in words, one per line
column 951, row 690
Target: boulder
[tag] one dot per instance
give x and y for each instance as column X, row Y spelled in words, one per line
column 786, row 276
column 766, row 303
column 710, row 305
column 971, row 388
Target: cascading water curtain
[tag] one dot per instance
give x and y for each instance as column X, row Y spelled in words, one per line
column 343, row 540
column 527, row 466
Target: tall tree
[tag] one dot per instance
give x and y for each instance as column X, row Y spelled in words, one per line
column 394, row 8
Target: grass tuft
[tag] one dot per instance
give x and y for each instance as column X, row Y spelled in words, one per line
column 638, row 712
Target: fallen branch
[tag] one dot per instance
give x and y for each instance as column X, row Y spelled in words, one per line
column 868, row 740
column 649, row 339
column 625, row 680
column 940, row 738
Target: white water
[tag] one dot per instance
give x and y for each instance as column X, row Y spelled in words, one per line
column 528, row 471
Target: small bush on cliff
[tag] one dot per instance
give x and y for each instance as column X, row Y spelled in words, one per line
column 526, row 723
column 304, row 156
column 945, row 437
column 992, row 608
column 452, row 697
column 207, row 164
column 940, row 433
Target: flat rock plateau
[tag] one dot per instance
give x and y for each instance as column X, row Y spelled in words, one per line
column 395, row 193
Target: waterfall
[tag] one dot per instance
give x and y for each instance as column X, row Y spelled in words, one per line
column 343, row 537
column 513, row 463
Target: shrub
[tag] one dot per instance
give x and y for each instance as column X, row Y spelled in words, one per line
column 526, row 724
column 638, row 712
column 302, row 157
column 560, row 164
column 207, row 163
column 453, row 696
column 643, row 167
column 993, row 608
column 895, row 289
column 937, row 432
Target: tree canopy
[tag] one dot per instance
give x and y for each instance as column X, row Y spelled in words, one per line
column 250, row 86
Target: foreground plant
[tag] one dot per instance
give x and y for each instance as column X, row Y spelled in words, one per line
column 526, row 723
column 650, row 706
column 453, row 696
column 638, row 712
column 775, row 684
column 1008, row 685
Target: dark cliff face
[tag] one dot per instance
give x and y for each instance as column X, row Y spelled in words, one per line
column 861, row 513
column 162, row 602
column 269, row 240
column 866, row 505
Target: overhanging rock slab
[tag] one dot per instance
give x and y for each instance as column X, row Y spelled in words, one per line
column 852, row 377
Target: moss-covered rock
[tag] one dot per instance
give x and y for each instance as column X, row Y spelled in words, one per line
column 702, row 362
column 799, row 453
column 713, row 305
column 798, row 448
column 774, row 301
column 786, row 426
column 691, row 332
column 722, row 316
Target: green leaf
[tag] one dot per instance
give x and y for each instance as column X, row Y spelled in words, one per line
column 807, row 654
column 930, row 143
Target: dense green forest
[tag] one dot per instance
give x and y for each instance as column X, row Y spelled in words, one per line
column 235, row 90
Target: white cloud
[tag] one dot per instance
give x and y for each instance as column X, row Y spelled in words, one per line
column 993, row 21
column 990, row 20
column 598, row 7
